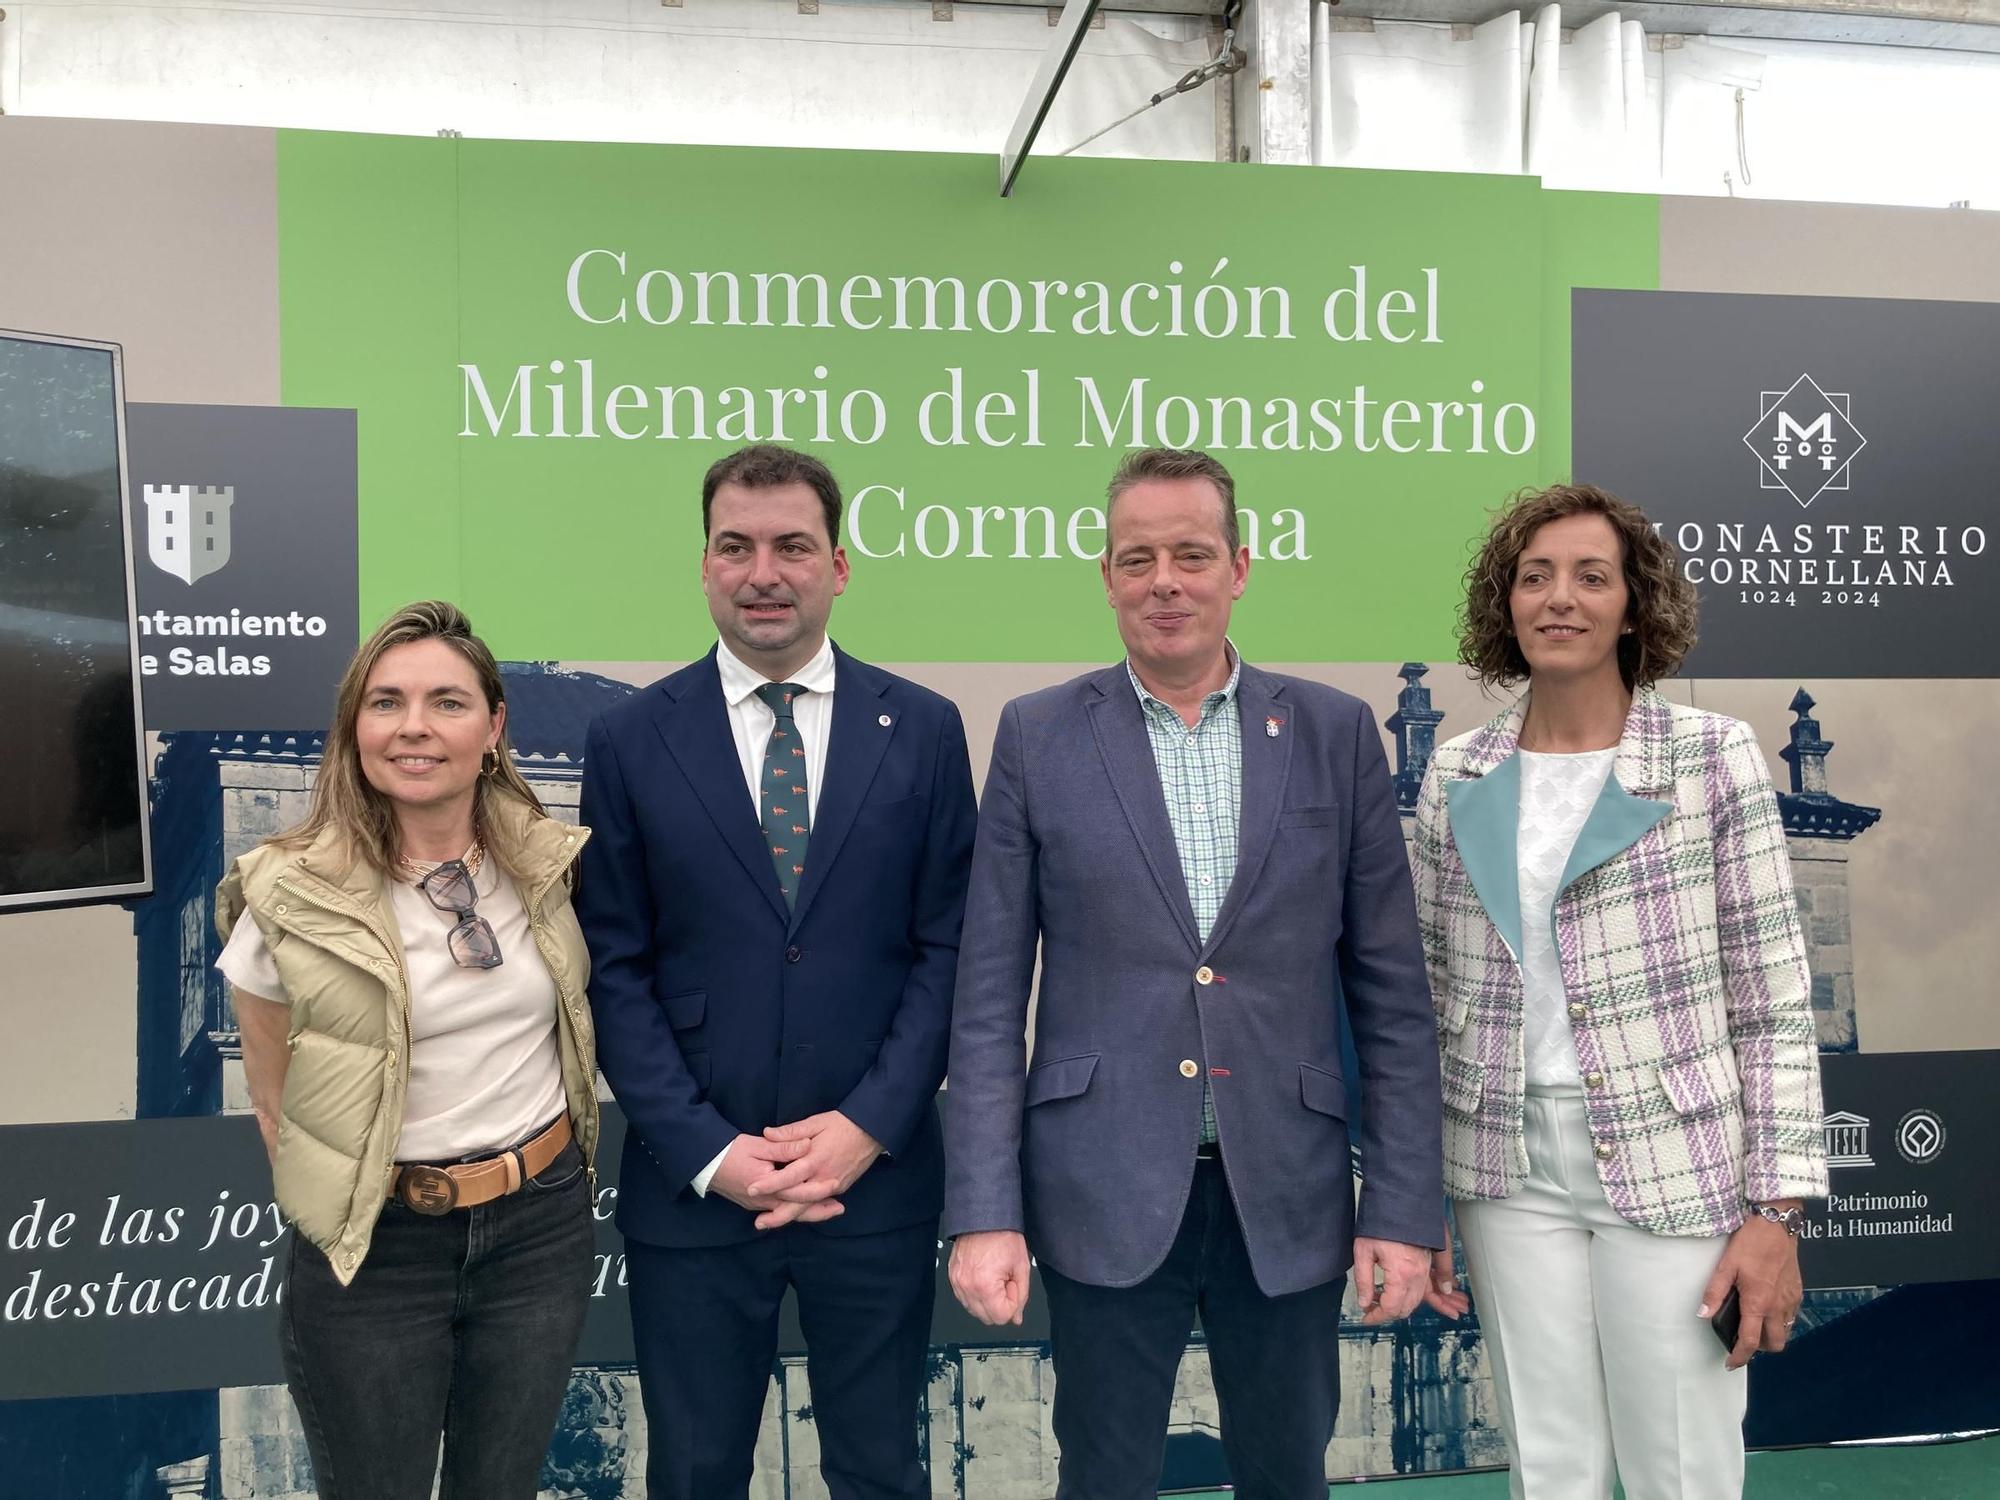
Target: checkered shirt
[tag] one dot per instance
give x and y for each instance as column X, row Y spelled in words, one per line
column 1201, row 776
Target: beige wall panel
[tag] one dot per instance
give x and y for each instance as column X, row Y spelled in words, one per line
column 162, row 238
column 1828, row 249
column 68, row 982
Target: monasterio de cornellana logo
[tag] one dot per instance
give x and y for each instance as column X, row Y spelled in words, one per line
column 1805, row 440
column 1806, row 443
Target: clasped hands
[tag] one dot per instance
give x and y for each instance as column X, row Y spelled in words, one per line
column 796, row 1172
column 989, row 1276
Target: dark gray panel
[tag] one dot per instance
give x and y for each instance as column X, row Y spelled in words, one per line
column 243, row 516
column 1867, row 557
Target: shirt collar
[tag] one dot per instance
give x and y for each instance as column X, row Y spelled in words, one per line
column 740, row 680
column 1224, row 694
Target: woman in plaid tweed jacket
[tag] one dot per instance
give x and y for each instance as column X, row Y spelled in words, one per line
column 1644, row 1150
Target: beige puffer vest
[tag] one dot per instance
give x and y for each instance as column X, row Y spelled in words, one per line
column 326, row 920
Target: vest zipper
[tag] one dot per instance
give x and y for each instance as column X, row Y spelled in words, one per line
column 542, row 945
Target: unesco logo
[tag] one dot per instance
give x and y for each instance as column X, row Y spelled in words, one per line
column 1920, row 1137
column 1805, row 440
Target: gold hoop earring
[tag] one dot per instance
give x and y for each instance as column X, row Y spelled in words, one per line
column 489, row 763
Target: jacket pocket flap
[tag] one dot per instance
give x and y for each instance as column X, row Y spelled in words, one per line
column 1464, row 1083
column 1060, row 1078
column 1322, row 1091
column 1703, row 1083
column 686, row 1009
column 1457, row 1008
column 1307, row 817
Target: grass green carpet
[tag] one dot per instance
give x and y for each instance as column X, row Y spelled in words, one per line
column 1941, row 1471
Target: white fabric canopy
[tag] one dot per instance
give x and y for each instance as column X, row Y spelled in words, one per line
column 862, row 74
column 1607, row 107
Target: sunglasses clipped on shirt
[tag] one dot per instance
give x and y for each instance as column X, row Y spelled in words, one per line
column 471, row 943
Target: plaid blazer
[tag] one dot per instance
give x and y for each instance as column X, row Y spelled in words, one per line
column 1681, row 953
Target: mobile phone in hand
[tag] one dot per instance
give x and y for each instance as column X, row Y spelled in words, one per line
column 1728, row 1321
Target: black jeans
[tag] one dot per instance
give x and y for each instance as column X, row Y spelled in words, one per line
column 463, row 1325
column 1275, row 1362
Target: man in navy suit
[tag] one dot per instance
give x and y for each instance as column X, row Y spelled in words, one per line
column 772, row 899
column 1211, row 859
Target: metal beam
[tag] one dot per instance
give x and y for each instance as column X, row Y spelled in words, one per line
column 1126, row 7
column 1274, row 105
column 1070, row 29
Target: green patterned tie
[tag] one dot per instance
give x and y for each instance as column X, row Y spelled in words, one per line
column 782, row 805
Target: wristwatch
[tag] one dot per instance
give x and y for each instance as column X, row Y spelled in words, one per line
column 1793, row 1220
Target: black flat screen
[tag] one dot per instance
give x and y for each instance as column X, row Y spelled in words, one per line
column 72, row 792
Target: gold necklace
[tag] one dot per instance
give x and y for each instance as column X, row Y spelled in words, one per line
column 419, row 868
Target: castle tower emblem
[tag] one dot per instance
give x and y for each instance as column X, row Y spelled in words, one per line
column 187, row 529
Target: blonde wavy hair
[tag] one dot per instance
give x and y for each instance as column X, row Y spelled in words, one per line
column 1661, row 609
column 344, row 801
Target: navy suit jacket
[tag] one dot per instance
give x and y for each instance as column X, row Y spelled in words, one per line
column 1089, row 1147
column 718, row 1010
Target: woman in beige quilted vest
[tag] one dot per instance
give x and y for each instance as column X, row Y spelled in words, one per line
column 409, row 981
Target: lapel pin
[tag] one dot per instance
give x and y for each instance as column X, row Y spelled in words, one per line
column 1272, row 726
column 883, row 721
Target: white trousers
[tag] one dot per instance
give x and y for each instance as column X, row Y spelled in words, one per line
column 1598, row 1358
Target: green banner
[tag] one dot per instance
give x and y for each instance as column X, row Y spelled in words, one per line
column 548, row 343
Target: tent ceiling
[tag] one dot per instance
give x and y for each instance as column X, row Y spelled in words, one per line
column 1960, row 25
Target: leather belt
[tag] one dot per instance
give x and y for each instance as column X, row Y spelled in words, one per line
column 1208, row 1151
column 438, row 1190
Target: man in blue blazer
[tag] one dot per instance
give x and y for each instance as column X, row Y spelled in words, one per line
column 772, row 899
column 1211, row 861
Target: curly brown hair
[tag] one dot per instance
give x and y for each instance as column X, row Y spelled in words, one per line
column 1661, row 609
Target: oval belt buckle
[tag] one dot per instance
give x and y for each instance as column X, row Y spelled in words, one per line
column 429, row 1190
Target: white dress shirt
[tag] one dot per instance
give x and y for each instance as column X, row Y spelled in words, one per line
column 751, row 719
column 1557, row 793
column 750, row 724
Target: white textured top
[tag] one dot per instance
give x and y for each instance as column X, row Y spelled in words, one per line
column 1557, row 792
column 484, row 1070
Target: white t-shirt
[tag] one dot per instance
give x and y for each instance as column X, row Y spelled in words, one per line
column 484, row 1069
column 1557, row 792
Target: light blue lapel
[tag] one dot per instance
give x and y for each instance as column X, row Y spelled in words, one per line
column 1617, row 821
column 1485, row 809
column 1485, row 815
column 1624, row 813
